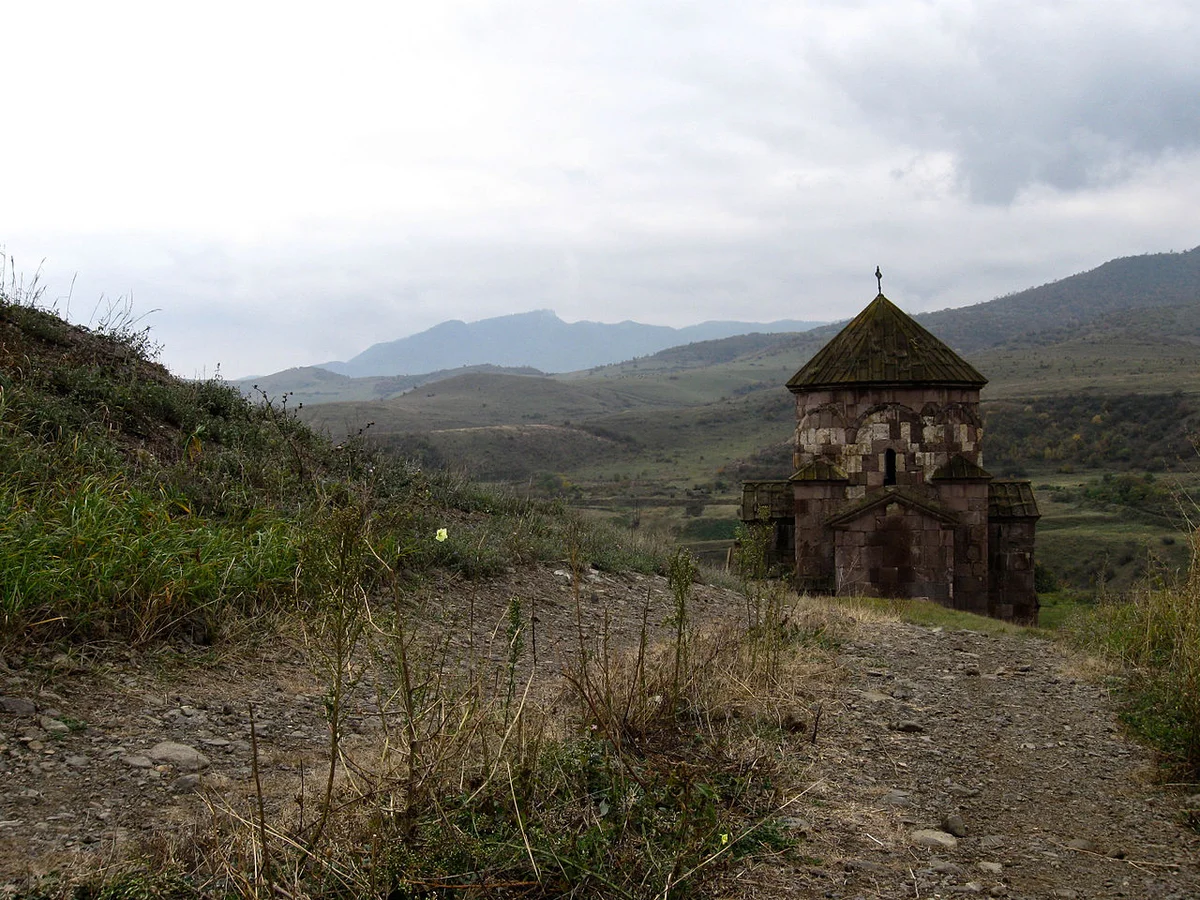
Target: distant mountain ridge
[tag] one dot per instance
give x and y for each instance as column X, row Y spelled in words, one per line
column 1153, row 280
column 539, row 339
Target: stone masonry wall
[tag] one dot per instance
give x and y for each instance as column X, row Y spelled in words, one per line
column 814, row 502
column 895, row 552
column 969, row 501
column 854, row 429
column 1012, row 594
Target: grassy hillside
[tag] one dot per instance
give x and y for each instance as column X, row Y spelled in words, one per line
column 140, row 506
column 1133, row 282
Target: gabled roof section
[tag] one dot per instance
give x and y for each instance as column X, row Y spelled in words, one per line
column 819, row 470
column 1012, row 500
column 882, row 345
column 959, row 468
column 905, row 498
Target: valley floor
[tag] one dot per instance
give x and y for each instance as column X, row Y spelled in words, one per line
column 922, row 732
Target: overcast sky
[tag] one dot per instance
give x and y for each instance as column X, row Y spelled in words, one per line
column 288, row 183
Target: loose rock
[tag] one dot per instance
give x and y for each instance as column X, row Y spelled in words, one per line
column 937, row 840
column 185, row 784
column 179, row 755
column 953, row 823
column 18, row 706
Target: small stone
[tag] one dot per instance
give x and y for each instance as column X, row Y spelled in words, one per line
column 64, row 663
column 895, row 798
column 934, row 839
column 793, row 823
column 17, row 706
column 53, row 726
column 953, row 823
column 992, row 868
column 945, row 867
column 179, row 755
column 186, row 784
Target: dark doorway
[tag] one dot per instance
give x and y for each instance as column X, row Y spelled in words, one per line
column 889, row 467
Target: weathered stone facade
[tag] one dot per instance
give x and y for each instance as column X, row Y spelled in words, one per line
column 890, row 496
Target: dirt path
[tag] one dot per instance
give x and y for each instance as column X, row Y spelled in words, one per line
column 917, row 725
column 993, row 738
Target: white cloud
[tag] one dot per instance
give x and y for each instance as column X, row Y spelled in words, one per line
column 289, row 183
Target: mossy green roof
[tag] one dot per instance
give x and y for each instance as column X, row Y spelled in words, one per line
column 1012, row 500
column 819, row 470
column 959, row 468
column 883, row 346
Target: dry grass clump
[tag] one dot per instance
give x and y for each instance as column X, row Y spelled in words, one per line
column 627, row 769
column 1154, row 632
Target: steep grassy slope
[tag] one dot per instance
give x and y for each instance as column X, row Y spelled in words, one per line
column 137, row 505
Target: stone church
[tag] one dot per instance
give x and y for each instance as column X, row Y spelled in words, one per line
column 890, row 496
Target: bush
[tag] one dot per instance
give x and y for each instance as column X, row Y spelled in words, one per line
column 1155, row 633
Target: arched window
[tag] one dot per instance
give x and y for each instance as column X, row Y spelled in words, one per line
column 889, row 467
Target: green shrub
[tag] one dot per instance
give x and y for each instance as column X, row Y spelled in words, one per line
column 1155, row 633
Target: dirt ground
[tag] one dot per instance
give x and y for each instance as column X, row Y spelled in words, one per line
column 945, row 763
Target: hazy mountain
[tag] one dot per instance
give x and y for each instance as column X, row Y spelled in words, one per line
column 539, row 339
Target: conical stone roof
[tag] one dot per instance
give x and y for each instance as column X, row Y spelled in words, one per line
column 883, row 346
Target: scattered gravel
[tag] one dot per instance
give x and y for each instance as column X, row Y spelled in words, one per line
column 945, row 762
